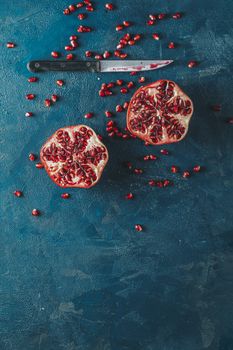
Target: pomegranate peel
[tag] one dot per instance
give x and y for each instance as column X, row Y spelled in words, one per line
column 74, row 157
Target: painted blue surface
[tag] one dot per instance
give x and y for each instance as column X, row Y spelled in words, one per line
column 79, row 277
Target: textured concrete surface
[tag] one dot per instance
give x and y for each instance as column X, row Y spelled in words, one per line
column 79, row 277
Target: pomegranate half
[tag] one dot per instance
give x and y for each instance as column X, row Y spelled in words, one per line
column 74, row 157
column 159, row 113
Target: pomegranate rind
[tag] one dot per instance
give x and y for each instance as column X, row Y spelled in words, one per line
column 53, row 167
column 176, row 119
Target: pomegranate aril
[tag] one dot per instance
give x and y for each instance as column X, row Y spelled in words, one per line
column 54, row 98
column 150, row 157
column 177, row 15
column 74, row 44
column 81, row 16
column 137, row 37
column 84, row 29
column 126, row 105
column 69, row 57
column 216, row 108
column 47, row 102
column 117, row 53
column 197, row 168
column 98, row 57
column 186, row 173
column 108, row 114
column 171, row 45
column 110, row 85
column 73, row 37
column 119, row 108
column 39, row 166
column 79, row 5
column 161, row 16
column 10, row 45
column 106, row 54
column 192, row 64
column 72, row 8
column 120, row 82
column 150, row 22
column 138, row 227
column 133, row 73
column 152, row 183
column 165, row 152
column 32, row 157
column 65, row 195
column 109, row 6
column 35, row 212
column 156, row 36
column 138, row 171
column 69, row 48
column 130, row 84
column 131, row 42
column 28, row 114
column 30, row 96
column 18, row 193
column 90, row 8
column 153, row 17
column 32, row 79
column 88, row 53
column 119, row 27
column 66, row 12
column 141, row 79
column 88, row 115
column 127, row 23
column 129, row 196
column 174, row 169
column 124, row 90
column 60, row 82
column 55, row 54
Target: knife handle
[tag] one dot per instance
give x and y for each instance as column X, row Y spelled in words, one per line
column 63, row 66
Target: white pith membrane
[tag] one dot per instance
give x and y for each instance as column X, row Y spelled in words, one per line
column 160, row 113
column 74, row 162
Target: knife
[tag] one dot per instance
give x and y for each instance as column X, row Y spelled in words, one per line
column 97, row 66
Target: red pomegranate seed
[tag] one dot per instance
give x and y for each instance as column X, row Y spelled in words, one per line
column 186, row 173
column 30, row 96
column 106, row 54
column 55, row 54
column 141, row 79
column 79, row 5
column 90, row 8
column 174, row 169
column 230, row 121
column 66, row 12
column 32, row 79
column 120, row 82
column 138, row 227
column 129, row 196
column 74, row 43
column 81, row 16
column 130, row 84
column 72, row 8
column 133, row 73
column 98, row 57
column 119, row 108
column 60, row 82
column 69, row 57
column 54, row 98
column 10, row 45
column 166, row 183
column 69, row 48
column 88, row 115
column 109, row 6
column 73, row 37
column 108, row 93
column 87, row 2
column 28, row 114
column 100, row 137
column 156, row 36
column 150, row 157
column 153, row 17
column 197, row 168
column 88, row 53
column 84, row 29
column 192, row 64
column 65, row 195
column 126, row 105
column 127, row 23
column 35, row 212
column 108, row 114
column 102, row 93
column 138, row 171
column 161, row 16
column 150, row 22
column 131, row 42
column 117, row 53
column 47, row 102
column 124, row 90
column 18, row 193
column 39, row 166
column 32, row 157
column 128, row 165
column 177, row 15
column 119, row 27
column 164, row 152
column 171, row 45
column 216, row 108
column 137, row 37
column 152, row 182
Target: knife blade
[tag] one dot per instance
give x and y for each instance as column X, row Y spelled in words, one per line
column 97, row 66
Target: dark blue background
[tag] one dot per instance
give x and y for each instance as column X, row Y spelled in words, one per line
column 79, row 277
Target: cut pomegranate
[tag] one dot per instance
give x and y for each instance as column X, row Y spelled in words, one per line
column 109, row 6
column 35, row 212
column 65, row 195
column 32, row 79
column 159, row 113
column 18, row 193
column 55, row 54
column 138, row 227
column 74, row 157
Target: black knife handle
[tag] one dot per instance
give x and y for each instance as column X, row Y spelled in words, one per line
column 63, row 66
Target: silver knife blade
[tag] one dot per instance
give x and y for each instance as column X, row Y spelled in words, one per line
column 132, row 65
